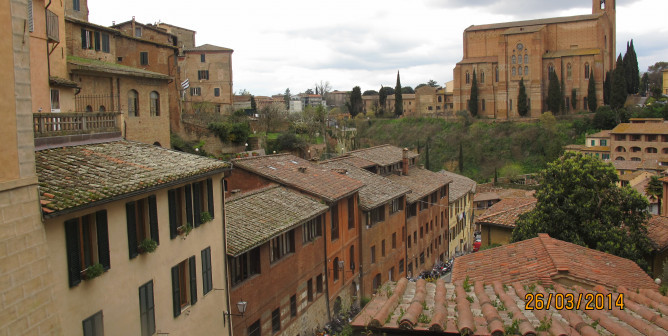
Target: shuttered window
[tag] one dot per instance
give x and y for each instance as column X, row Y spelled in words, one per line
column 207, row 278
column 143, row 58
column 147, row 309
column 93, row 325
column 87, row 241
column 184, row 285
column 188, row 204
column 142, row 223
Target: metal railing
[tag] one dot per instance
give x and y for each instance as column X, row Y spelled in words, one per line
column 55, row 124
column 52, row 28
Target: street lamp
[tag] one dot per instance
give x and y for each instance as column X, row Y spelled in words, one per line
column 241, row 307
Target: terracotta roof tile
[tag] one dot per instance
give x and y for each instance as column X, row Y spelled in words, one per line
column 207, row 47
column 300, row 174
column 657, row 231
column 255, row 218
column 641, row 128
column 534, row 22
column 77, row 176
column 377, row 190
column 422, row 182
column 459, row 186
column 382, row 155
column 506, row 211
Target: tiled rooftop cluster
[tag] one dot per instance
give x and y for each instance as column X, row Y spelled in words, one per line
column 657, row 231
column 302, row 175
column 256, row 217
column 640, row 128
column 421, row 181
column 460, row 185
column 71, row 177
column 382, row 155
column 506, row 211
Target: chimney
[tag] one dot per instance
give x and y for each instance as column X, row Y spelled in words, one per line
column 302, row 169
column 404, row 160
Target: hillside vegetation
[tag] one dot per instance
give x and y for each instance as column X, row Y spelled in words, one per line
column 511, row 148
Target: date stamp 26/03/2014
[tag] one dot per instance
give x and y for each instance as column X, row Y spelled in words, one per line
column 588, row 301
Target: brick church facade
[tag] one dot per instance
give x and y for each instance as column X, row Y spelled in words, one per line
column 503, row 53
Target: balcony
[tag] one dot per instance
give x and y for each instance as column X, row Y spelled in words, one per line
column 52, row 27
column 57, row 129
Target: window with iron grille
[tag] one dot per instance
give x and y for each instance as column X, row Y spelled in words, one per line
column 276, row 320
column 203, row 74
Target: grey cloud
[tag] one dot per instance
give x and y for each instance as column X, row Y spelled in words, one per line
column 522, row 9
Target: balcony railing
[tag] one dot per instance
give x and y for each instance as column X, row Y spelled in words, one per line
column 96, row 102
column 57, row 124
column 52, row 28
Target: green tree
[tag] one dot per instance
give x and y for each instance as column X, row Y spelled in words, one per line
column 522, row 107
column 655, row 188
column 473, row 100
column 591, row 92
column 382, row 101
column 370, row 93
column 426, row 155
column 605, row 118
column 286, row 98
column 461, row 159
column 398, row 98
column 553, row 93
column 631, row 72
column 562, row 94
column 644, row 84
column 654, row 73
column 579, row 202
column 432, row 83
column 618, row 93
column 253, row 104
column 355, row 103
column 407, row 90
column 574, row 98
column 606, row 88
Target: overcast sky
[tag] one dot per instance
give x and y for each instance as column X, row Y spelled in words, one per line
column 294, row 44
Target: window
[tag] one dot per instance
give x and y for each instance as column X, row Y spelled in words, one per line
column 55, row 100
column 526, row 71
column 378, row 214
column 184, row 285
column 482, row 76
column 382, row 248
column 496, row 74
column 86, row 39
column 188, row 203
column 309, row 290
column 202, row 58
column 424, row 203
column 255, row 329
column 421, row 258
column 335, row 222
column 351, row 212
column 635, row 159
column 244, row 266
column 483, row 104
column 147, row 309
column 87, row 242
column 514, row 59
column 421, row 232
column 373, row 254
column 155, row 104
column 526, row 59
column 203, row 74
column 207, row 276
column 651, row 137
column 414, row 237
column 97, row 45
column 276, row 320
column 605, row 156
column 143, row 58
column 335, row 270
column 586, row 71
column 514, row 71
column 635, row 149
column 138, row 32
column 93, row 326
column 282, row 245
column 142, row 222
column 397, row 205
column 593, row 142
column 376, row 282
column 216, row 92
column 133, row 103
column 394, row 240
column 401, row 266
column 604, row 142
column 412, row 210
column 76, row 5
column 409, row 241
column 569, row 71
column 352, row 257
column 318, row 283
column 468, row 78
column 105, row 42
column 293, row 306
column 519, row 59
column 312, row 229
column 651, row 150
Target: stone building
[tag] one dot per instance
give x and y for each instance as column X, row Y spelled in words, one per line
column 640, row 140
column 504, row 53
column 208, row 68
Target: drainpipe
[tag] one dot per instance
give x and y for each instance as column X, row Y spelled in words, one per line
column 329, row 313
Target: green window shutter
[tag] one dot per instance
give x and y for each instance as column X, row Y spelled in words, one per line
column 209, row 195
column 153, row 218
column 97, row 40
column 189, row 205
column 73, row 248
column 176, row 291
column 84, row 45
column 130, row 213
column 197, row 204
column 102, row 239
column 193, row 280
column 173, row 225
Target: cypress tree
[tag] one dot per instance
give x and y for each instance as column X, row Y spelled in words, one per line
column 618, row 92
column 461, row 159
column 591, row 92
column 253, row 104
column 562, row 100
column 522, row 107
column 635, row 71
column 398, row 99
column 606, row 88
column 382, row 99
column 473, row 100
column 553, row 93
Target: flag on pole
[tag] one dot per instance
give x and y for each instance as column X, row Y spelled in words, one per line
column 185, row 84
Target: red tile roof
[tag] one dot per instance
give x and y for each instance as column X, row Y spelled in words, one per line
column 657, row 231
column 506, row 212
column 487, row 305
column 300, row 174
column 422, row 182
column 382, row 155
column 548, row 259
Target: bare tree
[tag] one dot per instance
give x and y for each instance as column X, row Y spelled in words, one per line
column 323, row 89
column 271, row 115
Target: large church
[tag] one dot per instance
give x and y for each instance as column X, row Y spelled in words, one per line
column 503, row 53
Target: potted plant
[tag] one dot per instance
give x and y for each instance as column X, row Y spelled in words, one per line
column 92, row 271
column 205, row 217
column 256, row 153
column 147, row 245
column 185, row 229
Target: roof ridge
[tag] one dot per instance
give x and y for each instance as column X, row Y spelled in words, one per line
column 235, row 198
column 259, row 157
column 485, row 215
column 559, row 260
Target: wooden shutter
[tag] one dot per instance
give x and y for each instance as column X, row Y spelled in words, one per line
column 197, row 204
column 176, row 291
column 73, row 248
column 189, row 205
column 206, row 271
column 171, row 195
column 193, row 280
column 84, row 45
column 102, row 239
column 97, row 40
column 153, row 218
column 209, row 195
column 130, row 214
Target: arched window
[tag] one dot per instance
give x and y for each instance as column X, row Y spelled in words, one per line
column 335, row 269
column 635, row 149
column 586, row 70
column 482, row 76
column 650, row 150
column 133, row 103
column 665, row 151
column 620, row 149
column 468, row 78
column 102, row 109
column 514, row 71
column 526, row 70
column 519, row 59
column 376, row 282
column 514, row 59
column 619, row 158
column 155, row 104
column 569, row 71
column 526, row 58
column 496, row 73
column 89, row 108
